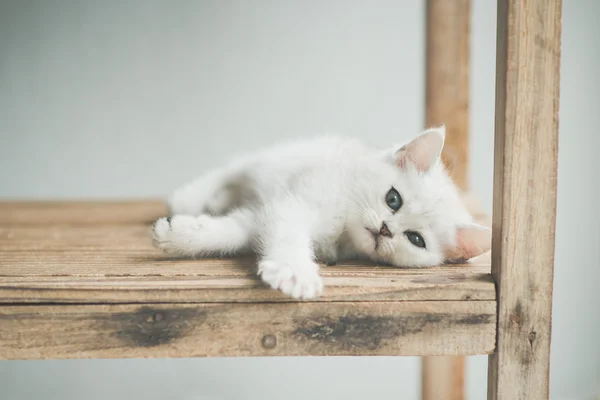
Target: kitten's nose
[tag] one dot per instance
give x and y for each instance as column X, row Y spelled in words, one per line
column 385, row 231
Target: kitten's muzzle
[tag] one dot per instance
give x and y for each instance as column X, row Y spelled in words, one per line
column 383, row 231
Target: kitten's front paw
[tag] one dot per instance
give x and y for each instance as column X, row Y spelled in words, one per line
column 296, row 279
column 168, row 233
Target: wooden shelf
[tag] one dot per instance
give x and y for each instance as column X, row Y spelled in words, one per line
column 83, row 280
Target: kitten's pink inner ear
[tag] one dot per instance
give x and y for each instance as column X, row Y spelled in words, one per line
column 423, row 151
column 471, row 241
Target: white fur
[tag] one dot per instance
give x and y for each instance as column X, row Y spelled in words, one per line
column 315, row 199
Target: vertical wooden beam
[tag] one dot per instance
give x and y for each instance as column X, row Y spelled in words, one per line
column 447, row 102
column 447, row 80
column 443, row 378
column 524, row 212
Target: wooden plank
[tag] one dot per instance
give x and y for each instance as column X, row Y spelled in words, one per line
column 26, row 213
column 213, row 289
column 447, row 102
column 525, row 171
column 138, row 263
column 134, row 239
column 127, row 251
column 211, row 330
column 117, row 264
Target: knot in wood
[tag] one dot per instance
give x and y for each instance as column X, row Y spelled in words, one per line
column 515, row 318
column 269, row 341
column 158, row 317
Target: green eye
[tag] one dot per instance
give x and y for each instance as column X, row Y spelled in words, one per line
column 415, row 238
column 393, row 199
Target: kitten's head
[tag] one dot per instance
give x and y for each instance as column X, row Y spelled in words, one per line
column 406, row 211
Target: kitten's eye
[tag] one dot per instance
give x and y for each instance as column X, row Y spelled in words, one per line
column 393, row 199
column 415, row 238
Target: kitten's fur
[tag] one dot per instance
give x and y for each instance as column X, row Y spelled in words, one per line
column 325, row 199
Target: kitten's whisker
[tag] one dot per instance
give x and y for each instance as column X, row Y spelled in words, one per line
column 454, row 160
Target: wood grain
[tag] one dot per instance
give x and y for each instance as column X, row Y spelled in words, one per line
column 210, row 330
column 117, row 264
column 447, row 102
column 525, row 171
column 148, row 289
column 89, row 284
column 27, row 213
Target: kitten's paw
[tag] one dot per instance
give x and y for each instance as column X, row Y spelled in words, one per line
column 168, row 234
column 295, row 279
column 160, row 232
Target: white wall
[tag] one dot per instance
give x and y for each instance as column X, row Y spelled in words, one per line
column 131, row 98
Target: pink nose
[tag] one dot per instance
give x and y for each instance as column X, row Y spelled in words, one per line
column 385, row 231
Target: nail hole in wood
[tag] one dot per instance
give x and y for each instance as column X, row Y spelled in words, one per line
column 269, row 341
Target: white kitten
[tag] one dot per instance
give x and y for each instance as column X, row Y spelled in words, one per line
column 326, row 199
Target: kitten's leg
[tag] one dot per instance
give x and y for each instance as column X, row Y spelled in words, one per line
column 205, row 194
column 216, row 192
column 204, row 235
column 286, row 251
column 327, row 251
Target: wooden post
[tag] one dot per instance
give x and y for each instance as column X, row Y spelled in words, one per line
column 447, row 81
column 447, row 102
column 524, row 212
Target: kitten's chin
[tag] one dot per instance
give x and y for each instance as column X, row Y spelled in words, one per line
column 364, row 243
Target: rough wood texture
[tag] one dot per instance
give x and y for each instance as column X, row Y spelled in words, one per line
column 89, row 284
column 117, row 264
column 525, row 170
column 447, row 80
column 447, row 102
column 207, row 330
column 80, row 212
column 152, row 289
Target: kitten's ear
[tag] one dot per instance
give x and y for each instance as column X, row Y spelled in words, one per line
column 424, row 150
column 471, row 241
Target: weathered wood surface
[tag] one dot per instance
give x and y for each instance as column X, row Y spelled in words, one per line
column 148, row 289
column 117, row 264
column 447, row 102
column 525, row 171
column 27, row 213
column 207, row 330
column 91, row 285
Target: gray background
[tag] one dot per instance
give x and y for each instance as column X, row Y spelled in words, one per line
column 118, row 99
